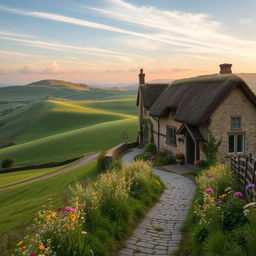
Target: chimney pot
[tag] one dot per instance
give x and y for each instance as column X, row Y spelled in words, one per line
column 141, row 77
column 225, row 68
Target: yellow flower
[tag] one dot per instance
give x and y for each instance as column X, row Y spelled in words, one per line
column 41, row 247
column 47, row 218
column 73, row 217
column 20, row 243
column 223, row 196
column 53, row 214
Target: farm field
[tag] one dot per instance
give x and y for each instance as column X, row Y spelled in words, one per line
column 18, row 205
column 57, row 130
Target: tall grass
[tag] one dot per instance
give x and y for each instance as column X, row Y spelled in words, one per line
column 99, row 214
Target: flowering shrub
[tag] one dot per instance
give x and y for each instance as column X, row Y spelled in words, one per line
column 97, row 213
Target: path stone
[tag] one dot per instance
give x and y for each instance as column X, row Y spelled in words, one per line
column 159, row 232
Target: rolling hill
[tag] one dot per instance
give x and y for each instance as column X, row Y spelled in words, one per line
column 56, row 130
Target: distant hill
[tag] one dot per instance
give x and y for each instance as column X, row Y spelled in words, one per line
column 61, row 84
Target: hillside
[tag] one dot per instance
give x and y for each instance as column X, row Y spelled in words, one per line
column 55, row 130
column 60, row 83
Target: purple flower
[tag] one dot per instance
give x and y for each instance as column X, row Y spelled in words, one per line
column 70, row 209
column 59, row 209
column 238, row 194
column 250, row 186
column 219, row 202
column 32, row 254
column 209, row 190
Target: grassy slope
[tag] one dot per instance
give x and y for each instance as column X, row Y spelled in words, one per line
column 18, row 205
column 13, row 177
column 56, row 130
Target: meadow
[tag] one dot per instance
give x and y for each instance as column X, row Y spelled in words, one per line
column 57, row 130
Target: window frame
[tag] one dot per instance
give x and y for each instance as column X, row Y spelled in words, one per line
column 231, row 123
column 236, row 143
column 173, row 141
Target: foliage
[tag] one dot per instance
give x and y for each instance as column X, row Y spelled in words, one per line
column 7, row 163
column 101, row 162
column 211, row 150
column 201, row 164
column 99, row 213
column 116, row 164
column 150, row 149
column 164, row 158
column 220, row 217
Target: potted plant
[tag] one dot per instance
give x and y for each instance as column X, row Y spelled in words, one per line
column 179, row 158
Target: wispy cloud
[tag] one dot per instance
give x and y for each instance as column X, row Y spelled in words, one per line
column 18, row 54
column 196, row 32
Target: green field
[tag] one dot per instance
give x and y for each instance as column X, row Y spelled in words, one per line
column 57, row 130
column 18, row 205
column 14, row 177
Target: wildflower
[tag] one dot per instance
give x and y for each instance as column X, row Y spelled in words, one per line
column 219, row 202
column 223, row 196
column 246, row 212
column 250, row 186
column 59, row 209
column 73, row 217
column 250, row 205
column 69, row 209
column 209, row 190
column 20, row 243
column 227, row 189
column 41, row 247
column 84, row 232
column 32, row 254
column 33, row 230
column 68, row 226
column 238, row 194
column 48, row 217
column 53, row 213
column 23, row 248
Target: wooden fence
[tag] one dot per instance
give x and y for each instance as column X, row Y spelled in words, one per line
column 245, row 168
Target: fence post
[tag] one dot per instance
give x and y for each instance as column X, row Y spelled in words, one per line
column 253, row 175
column 246, row 169
column 250, row 157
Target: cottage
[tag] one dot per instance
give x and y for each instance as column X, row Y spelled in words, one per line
column 181, row 116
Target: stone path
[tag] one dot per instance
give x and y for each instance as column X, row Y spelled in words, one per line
column 159, row 232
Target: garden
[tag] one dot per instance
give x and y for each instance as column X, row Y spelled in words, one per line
column 98, row 215
column 222, row 221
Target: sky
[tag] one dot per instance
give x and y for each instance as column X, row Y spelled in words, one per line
column 108, row 41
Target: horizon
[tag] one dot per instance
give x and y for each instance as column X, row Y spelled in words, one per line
column 109, row 41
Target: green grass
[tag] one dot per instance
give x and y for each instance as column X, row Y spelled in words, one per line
column 71, row 144
column 14, row 177
column 18, row 205
column 56, row 130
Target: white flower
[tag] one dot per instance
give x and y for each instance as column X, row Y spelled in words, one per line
column 84, row 232
column 250, row 205
column 246, row 212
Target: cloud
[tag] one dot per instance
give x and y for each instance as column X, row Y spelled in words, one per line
column 246, row 21
column 52, row 68
column 18, row 54
column 29, row 69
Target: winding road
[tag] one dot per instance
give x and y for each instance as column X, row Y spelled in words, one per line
column 78, row 163
column 159, row 232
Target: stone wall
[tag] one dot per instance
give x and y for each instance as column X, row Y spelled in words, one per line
column 236, row 104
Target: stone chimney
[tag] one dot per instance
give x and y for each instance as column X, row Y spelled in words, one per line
column 141, row 77
column 225, row 68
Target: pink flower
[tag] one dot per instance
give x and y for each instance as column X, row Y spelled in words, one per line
column 32, row 254
column 238, row 194
column 69, row 209
column 209, row 190
column 59, row 209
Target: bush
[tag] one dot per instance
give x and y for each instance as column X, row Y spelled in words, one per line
column 101, row 162
column 106, row 209
column 117, row 164
column 150, row 149
column 7, row 163
column 164, row 158
column 211, row 151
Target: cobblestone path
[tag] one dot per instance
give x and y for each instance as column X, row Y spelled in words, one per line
column 159, row 232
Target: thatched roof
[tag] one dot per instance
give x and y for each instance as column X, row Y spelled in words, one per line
column 195, row 99
column 150, row 92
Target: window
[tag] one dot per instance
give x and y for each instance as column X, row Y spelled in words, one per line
column 235, row 123
column 170, row 135
column 236, row 143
